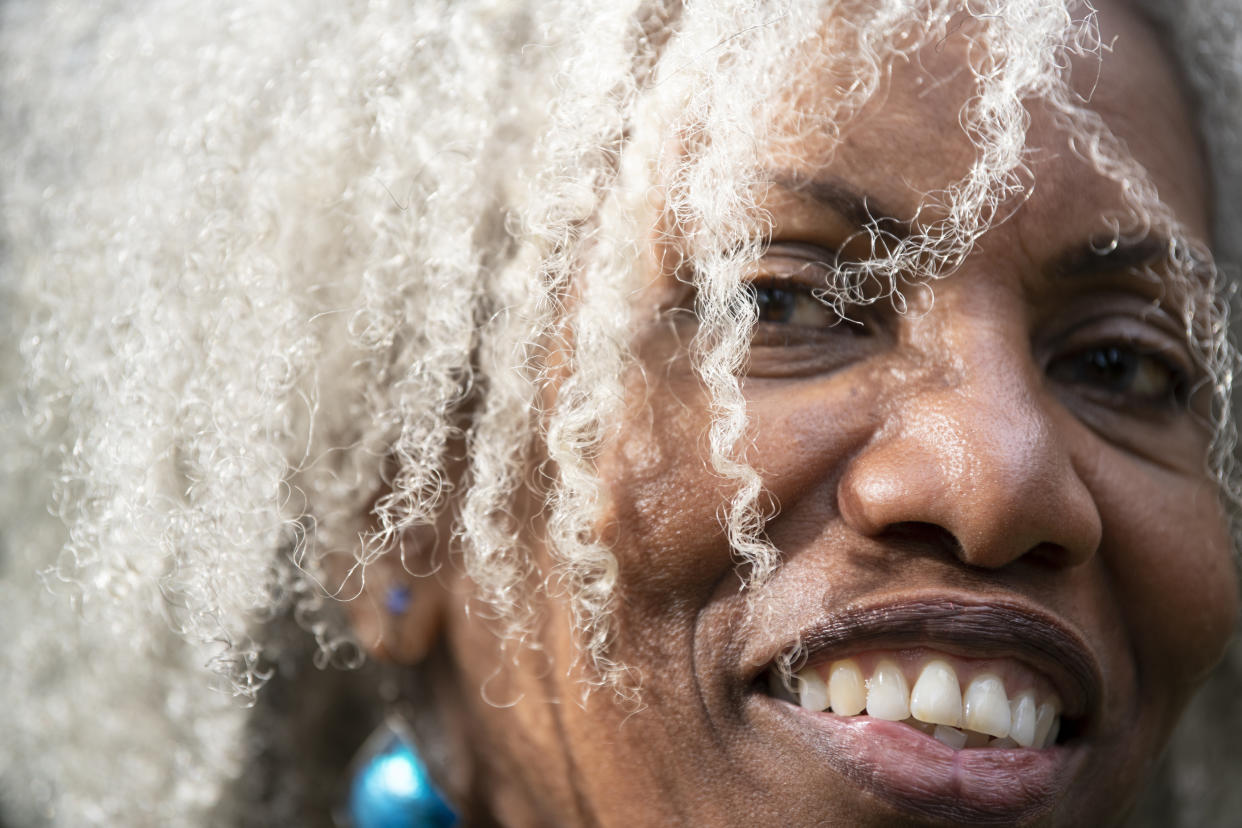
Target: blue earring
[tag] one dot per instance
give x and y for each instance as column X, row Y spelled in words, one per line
column 398, row 599
column 391, row 787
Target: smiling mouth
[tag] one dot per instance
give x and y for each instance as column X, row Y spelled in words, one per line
column 961, row 711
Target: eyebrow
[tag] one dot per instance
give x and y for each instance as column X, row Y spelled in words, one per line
column 1087, row 258
column 836, row 195
column 1091, row 258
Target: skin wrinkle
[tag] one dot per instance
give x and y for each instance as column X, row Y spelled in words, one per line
column 714, row 732
column 583, row 814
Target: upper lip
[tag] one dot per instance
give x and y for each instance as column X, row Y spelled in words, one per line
column 964, row 627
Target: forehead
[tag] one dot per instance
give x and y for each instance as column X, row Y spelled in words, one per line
column 915, row 135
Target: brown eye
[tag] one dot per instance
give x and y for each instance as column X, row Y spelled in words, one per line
column 797, row 335
column 779, row 305
column 1122, row 372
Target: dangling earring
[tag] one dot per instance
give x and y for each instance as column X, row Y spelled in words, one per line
column 391, row 787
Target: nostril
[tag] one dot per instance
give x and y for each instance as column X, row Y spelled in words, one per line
column 924, row 538
column 1051, row 554
column 921, row 537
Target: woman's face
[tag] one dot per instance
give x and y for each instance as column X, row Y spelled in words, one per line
column 1009, row 479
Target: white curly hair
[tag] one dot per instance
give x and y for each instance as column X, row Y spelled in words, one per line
column 266, row 263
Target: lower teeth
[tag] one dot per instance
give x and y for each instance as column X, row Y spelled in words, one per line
column 957, row 738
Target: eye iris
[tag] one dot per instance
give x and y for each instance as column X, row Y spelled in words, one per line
column 1118, row 369
column 1111, row 367
column 775, row 305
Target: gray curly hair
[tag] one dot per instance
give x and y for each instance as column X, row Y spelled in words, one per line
column 267, row 263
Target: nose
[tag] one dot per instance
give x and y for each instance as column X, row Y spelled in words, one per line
column 983, row 462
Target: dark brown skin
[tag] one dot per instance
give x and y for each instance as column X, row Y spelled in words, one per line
column 957, row 459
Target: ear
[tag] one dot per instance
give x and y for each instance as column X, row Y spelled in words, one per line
column 398, row 615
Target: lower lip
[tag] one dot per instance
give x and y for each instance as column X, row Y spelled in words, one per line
column 920, row 776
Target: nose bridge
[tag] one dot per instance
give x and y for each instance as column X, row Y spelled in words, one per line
column 972, row 449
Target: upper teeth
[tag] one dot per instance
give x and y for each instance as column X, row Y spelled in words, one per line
column 959, row 719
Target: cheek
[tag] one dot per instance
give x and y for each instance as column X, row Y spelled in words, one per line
column 663, row 507
column 1169, row 552
column 666, row 503
column 803, row 438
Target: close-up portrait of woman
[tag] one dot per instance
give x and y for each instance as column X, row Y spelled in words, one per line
column 623, row 413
